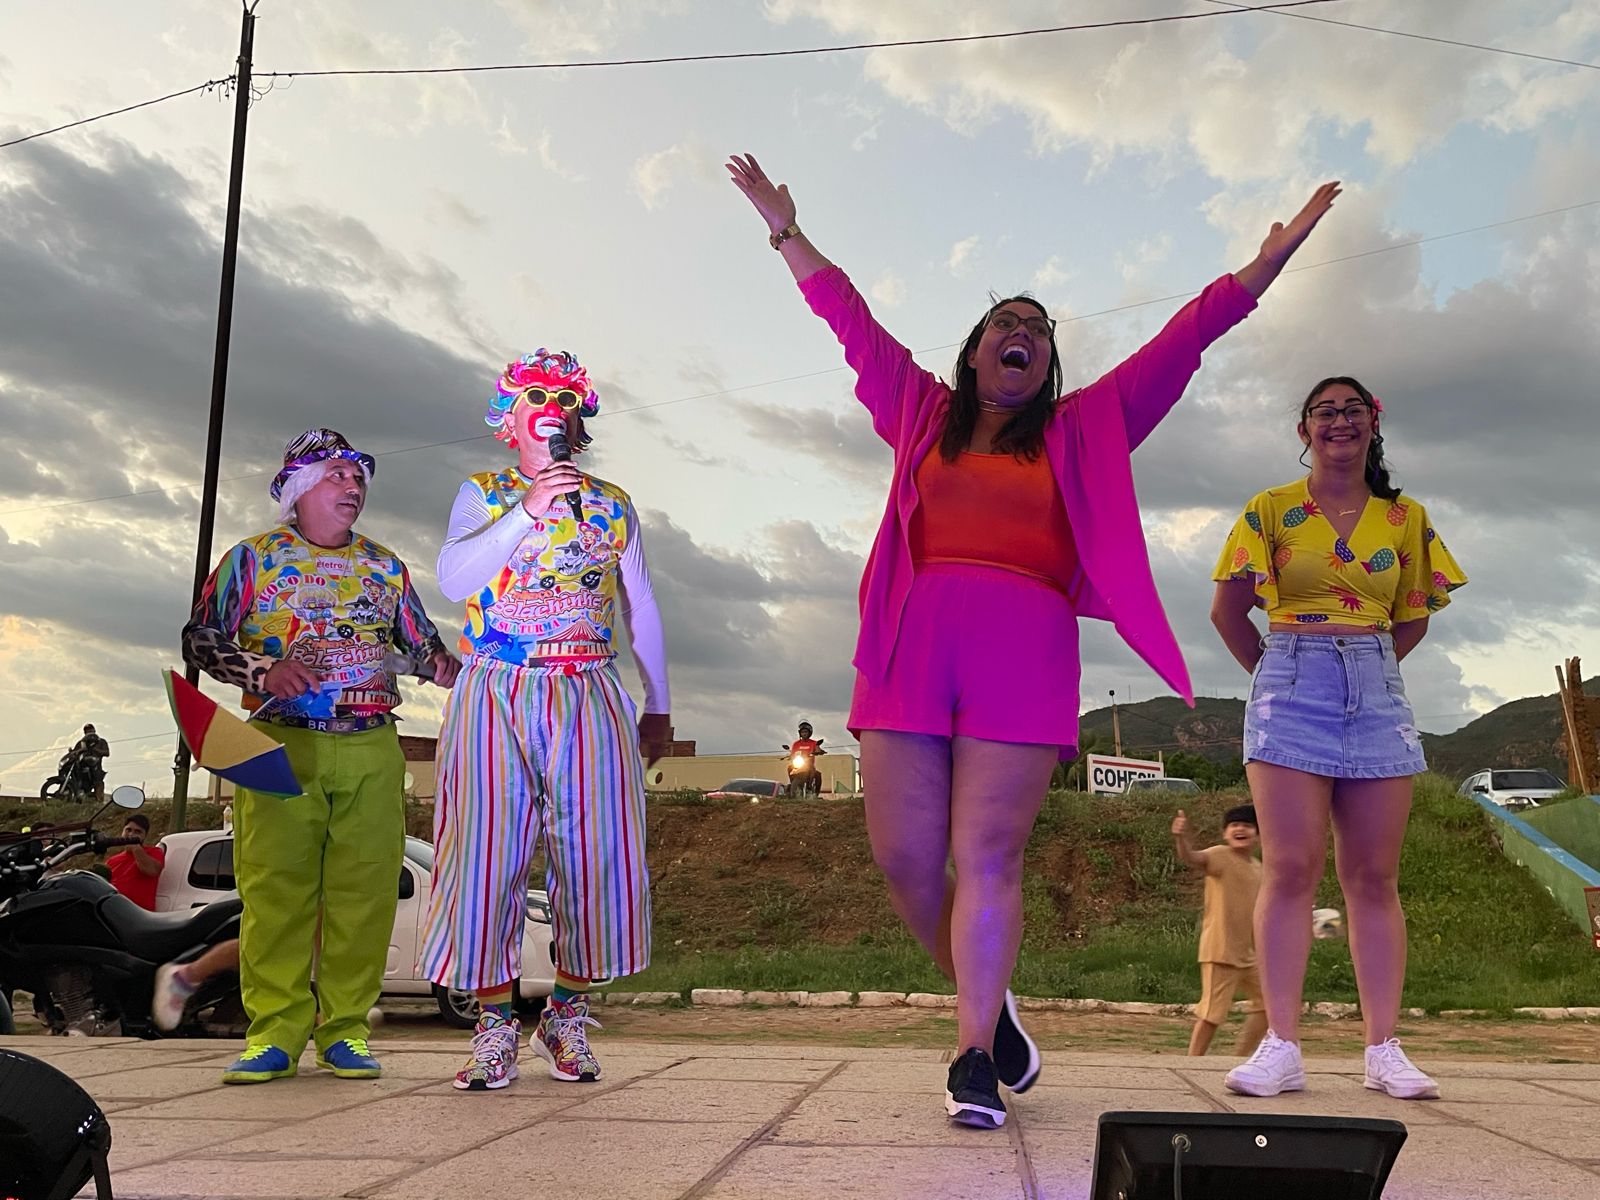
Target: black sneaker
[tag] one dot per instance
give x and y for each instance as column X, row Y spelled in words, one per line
column 1016, row 1057
column 972, row 1095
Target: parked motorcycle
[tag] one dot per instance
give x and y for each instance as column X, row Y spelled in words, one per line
column 88, row 954
column 804, row 776
column 78, row 777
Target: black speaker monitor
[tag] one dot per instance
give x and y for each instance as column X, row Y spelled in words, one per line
column 1242, row 1156
column 53, row 1136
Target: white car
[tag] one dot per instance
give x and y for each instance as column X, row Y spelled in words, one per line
column 1513, row 787
column 199, row 869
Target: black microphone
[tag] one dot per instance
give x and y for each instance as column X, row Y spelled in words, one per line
column 561, row 451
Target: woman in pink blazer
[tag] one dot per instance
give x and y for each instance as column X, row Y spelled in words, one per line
column 990, row 549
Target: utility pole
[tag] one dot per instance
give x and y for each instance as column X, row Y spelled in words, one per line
column 1116, row 727
column 219, row 375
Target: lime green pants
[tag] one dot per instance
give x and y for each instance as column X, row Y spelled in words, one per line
column 335, row 852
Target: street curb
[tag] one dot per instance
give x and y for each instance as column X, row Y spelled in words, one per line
column 738, row 998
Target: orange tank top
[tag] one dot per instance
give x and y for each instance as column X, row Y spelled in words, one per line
column 993, row 510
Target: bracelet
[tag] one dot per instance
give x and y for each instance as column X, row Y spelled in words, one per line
column 783, row 235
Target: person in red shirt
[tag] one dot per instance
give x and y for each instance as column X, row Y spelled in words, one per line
column 136, row 871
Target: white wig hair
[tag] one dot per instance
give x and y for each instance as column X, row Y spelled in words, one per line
column 306, row 478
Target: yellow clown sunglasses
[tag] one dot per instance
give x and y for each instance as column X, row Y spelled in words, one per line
column 566, row 399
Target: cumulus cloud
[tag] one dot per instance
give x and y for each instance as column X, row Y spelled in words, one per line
column 655, row 174
column 888, row 289
column 961, row 253
column 1236, row 94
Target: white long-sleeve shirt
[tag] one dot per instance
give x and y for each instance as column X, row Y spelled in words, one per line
column 478, row 546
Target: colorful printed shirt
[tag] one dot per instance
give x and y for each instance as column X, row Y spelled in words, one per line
column 350, row 614
column 546, row 589
column 1394, row 568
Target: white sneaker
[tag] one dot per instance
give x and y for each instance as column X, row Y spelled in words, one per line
column 1274, row 1067
column 170, row 996
column 1390, row 1071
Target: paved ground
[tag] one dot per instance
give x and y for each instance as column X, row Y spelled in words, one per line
column 749, row 1121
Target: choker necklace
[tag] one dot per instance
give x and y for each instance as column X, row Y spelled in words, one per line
column 987, row 406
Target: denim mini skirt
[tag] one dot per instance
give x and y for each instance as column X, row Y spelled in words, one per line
column 1332, row 705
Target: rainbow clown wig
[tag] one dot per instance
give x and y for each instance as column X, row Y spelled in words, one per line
column 552, row 379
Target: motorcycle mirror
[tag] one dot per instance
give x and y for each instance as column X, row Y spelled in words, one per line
column 128, row 796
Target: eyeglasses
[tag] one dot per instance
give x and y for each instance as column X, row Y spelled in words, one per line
column 1006, row 321
column 566, row 398
column 1357, row 413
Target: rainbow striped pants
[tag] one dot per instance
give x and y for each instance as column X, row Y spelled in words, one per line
column 525, row 752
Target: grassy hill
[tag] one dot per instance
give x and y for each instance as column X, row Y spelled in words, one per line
column 786, row 896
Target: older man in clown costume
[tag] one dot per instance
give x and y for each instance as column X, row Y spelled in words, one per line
column 312, row 620
column 539, row 737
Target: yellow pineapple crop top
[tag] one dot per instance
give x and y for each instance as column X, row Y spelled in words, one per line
column 1394, row 568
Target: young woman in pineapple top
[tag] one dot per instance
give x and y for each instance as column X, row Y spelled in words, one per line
column 1011, row 514
column 1349, row 571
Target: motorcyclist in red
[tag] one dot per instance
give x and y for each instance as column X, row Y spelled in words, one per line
column 803, row 751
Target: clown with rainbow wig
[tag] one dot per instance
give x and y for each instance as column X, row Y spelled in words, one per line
column 539, row 738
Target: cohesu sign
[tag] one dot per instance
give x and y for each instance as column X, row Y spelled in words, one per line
column 1110, row 776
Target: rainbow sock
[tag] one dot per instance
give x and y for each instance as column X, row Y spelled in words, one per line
column 497, row 1000
column 568, row 988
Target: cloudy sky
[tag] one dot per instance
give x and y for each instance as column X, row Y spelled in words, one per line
column 404, row 236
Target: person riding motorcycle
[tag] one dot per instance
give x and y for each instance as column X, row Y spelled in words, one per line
column 81, row 772
column 803, row 751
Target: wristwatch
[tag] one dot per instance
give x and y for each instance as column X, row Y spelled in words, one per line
column 783, row 235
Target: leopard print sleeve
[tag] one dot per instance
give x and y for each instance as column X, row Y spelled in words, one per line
column 208, row 638
column 415, row 635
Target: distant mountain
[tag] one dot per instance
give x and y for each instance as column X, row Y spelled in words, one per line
column 1212, row 728
column 1523, row 733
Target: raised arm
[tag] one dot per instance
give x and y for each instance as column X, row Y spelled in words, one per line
column 888, row 380
column 777, row 209
column 1153, row 378
column 478, row 545
column 1183, row 846
column 1283, row 240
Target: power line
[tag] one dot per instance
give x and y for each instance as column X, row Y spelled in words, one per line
column 207, row 86
column 143, row 737
column 765, row 383
column 1421, row 37
column 794, row 53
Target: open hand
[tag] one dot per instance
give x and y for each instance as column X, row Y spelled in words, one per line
column 1284, row 240
column 771, row 200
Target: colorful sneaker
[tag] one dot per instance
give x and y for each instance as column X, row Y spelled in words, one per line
column 494, row 1054
column 1274, row 1067
column 1016, row 1057
column 259, row 1064
column 563, row 1042
column 972, row 1093
column 170, row 997
column 1390, row 1071
column 349, row 1059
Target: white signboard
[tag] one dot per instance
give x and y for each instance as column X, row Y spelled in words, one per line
column 1109, row 776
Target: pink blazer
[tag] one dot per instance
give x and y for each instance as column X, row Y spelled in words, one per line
column 1088, row 447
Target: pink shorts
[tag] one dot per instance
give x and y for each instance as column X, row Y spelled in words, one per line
column 984, row 653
